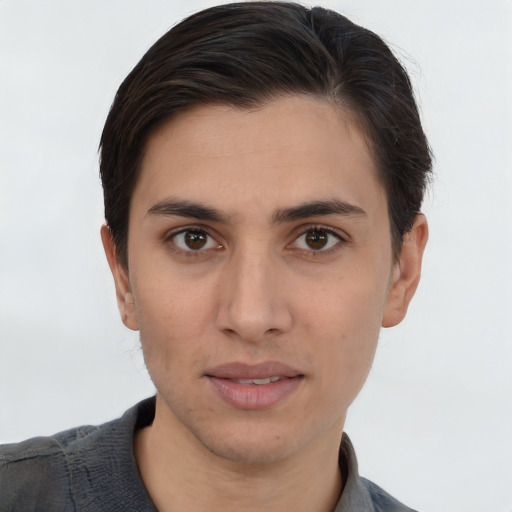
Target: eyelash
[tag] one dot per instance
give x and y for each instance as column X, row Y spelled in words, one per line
column 341, row 240
column 191, row 253
column 304, row 231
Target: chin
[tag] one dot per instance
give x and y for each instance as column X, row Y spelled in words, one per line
column 250, row 449
column 253, row 439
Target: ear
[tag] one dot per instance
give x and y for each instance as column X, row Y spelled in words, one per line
column 125, row 301
column 406, row 273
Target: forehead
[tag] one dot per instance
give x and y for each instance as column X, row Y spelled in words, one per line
column 293, row 149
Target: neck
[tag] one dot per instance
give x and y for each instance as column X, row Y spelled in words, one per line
column 183, row 475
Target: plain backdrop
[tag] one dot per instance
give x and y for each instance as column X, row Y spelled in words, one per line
column 433, row 425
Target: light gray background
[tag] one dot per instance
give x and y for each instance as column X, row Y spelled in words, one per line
column 434, row 424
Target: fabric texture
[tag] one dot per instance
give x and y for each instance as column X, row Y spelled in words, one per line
column 91, row 469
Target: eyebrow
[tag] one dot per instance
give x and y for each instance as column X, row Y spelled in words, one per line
column 318, row 209
column 183, row 208
column 190, row 209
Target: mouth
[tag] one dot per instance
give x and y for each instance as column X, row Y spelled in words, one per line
column 258, row 382
column 254, row 387
column 272, row 370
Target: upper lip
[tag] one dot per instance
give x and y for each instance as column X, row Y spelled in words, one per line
column 238, row 370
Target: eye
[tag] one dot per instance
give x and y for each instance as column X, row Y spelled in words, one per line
column 317, row 239
column 194, row 240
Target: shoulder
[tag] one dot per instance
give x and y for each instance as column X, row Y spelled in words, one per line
column 35, row 472
column 381, row 500
column 87, row 468
column 360, row 494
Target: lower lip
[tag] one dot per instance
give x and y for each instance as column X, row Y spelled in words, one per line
column 252, row 397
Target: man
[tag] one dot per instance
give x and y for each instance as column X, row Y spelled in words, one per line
column 263, row 170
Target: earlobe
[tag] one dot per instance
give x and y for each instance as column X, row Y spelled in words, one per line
column 406, row 273
column 124, row 295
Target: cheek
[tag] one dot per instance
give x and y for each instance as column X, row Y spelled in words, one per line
column 344, row 321
column 172, row 323
column 350, row 304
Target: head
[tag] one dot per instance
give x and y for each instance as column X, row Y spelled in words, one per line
column 263, row 168
column 246, row 54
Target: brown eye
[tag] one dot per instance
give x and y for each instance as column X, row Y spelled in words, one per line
column 316, row 239
column 194, row 240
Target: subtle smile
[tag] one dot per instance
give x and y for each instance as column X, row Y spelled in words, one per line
column 257, row 387
column 259, row 382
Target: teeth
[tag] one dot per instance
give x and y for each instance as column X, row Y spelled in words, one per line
column 258, row 382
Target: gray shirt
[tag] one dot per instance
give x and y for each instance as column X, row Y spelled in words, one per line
column 90, row 469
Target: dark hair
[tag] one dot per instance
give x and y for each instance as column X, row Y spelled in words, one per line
column 245, row 54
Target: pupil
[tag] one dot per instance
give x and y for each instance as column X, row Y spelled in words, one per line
column 316, row 239
column 195, row 240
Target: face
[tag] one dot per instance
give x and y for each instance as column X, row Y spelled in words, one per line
column 259, row 274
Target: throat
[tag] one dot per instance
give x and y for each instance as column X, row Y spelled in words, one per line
column 179, row 476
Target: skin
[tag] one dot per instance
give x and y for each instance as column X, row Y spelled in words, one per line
column 261, row 288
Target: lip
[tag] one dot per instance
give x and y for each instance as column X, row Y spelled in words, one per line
column 224, row 378
column 248, row 371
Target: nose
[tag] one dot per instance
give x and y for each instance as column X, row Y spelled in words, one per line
column 254, row 305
